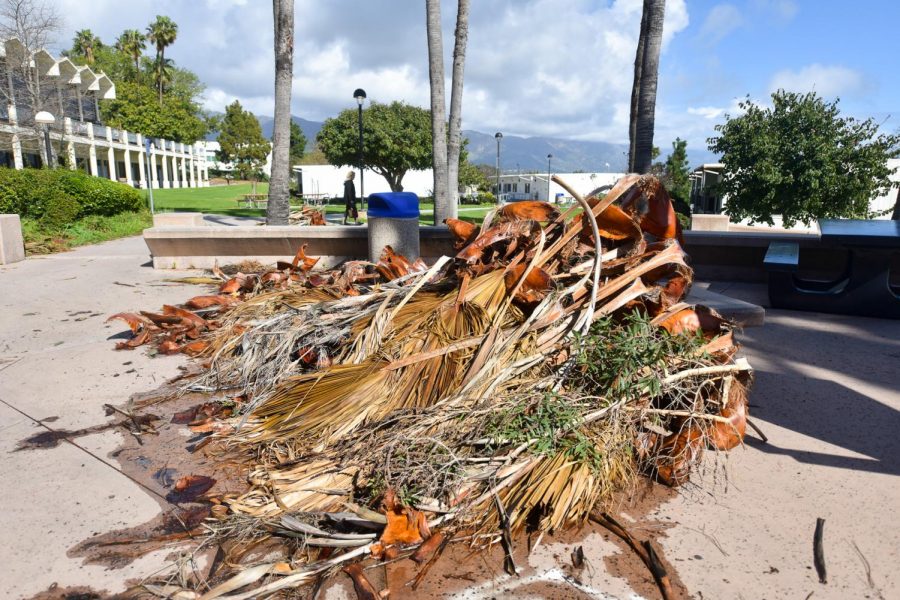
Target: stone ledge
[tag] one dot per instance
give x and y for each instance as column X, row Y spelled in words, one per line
column 12, row 245
column 202, row 247
column 179, row 219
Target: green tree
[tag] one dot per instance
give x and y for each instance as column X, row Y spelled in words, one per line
column 397, row 138
column 85, row 44
column 136, row 108
column 162, row 33
column 132, row 43
column 163, row 74
column 677, row 172
column 472, row 176
column 802, row 160
column 242, row 142
column 298, row 144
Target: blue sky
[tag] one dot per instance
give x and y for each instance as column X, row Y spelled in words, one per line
column 559, row 68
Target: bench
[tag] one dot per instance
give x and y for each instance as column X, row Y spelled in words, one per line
column 863, row 288
column 255, row 200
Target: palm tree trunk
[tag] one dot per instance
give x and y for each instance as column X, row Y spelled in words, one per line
column 655, row 11
column 636, row 87
column 279, row 205
column 896, row 214
column 160, row 57
column 456, row 90
column 438, row 109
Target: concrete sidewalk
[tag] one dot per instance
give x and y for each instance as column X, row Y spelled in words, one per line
column 826, row 394
column 57, row 365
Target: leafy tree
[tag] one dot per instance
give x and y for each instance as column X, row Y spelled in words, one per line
column 163, row 74
column 132, row 43
column 298, row 144
column 162, row 33
column 85, row 44
column 677, row 173
column 397, row 138
column 242, row 142
column 802, row 160
column 473, row 175
column 136, row 108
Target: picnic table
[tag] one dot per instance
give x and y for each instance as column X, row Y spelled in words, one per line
column 255, row 200
column 864, row 288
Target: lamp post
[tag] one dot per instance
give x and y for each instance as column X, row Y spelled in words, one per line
column 45, row 119
column 360, row 95
column 498, row 136
column 549, row 172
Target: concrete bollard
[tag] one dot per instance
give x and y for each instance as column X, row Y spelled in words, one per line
column 393, row 220
column 12, row 245
column 179, row 219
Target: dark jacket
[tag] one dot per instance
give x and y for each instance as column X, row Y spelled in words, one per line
column 349, row 193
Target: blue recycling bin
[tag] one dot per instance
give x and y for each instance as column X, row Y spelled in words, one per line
column 394, row 205
column 393, row 219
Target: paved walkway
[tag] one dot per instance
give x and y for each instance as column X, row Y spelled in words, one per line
column 57, row 365
column 826, row 395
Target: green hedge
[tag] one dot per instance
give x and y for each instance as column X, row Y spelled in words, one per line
column 59, row 194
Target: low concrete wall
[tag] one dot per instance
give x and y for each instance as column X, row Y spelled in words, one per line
column 709, row 223
column 714, row 255
column 202, row 247
column 12, row 245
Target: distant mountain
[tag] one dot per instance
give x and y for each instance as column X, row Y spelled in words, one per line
column 530, row 153
column 524, row 153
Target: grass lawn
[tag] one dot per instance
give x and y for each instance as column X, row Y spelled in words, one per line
column 223, row 200
column 220, row 200
column 40, row 239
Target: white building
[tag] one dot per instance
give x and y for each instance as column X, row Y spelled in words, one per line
column 208, row 150
column 71, row 93
column 327, row 181
column 537, row 186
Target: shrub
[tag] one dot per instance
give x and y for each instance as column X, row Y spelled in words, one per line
column 32, row 192
column 60, row 209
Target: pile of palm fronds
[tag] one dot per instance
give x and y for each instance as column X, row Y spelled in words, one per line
column 518, row 385
column 307, row 215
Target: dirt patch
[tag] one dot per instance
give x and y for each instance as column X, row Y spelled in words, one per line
column 186, row 476
column 54, row 592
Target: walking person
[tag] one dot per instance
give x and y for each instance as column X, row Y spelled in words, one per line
column 350, row 199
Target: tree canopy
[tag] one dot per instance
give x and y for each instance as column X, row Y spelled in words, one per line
column 802, row 160
column 136, row 108
column 177, row 114
column 396, row 139
column 677, row 173
column 242, row 142
column 298, row 144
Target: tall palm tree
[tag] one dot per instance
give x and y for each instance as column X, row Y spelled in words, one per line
column 438, row 109
column 653, row 14
column 162, row 33
column 278, row 208
column 456, row 91
column 163, row 72
column 85, row 43
column 132, row 42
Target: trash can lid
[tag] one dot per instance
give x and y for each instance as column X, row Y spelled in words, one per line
column 396, row 205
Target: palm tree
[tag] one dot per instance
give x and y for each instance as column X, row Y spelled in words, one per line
column 456, row 90
column 643, row 117
column 163, row 72
column 162, row 33
column 132, row 42
column 278, row 208
column 438, row 109
column 85, row 43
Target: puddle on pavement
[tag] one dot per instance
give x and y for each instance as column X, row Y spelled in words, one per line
column 53, row 437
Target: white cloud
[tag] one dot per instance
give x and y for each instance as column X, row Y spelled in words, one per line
column 825, row 80
column 720, row 22
column 534, row 67
column 782, row 10
column 707, row 112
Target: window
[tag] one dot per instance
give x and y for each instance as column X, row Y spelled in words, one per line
column 527, row 188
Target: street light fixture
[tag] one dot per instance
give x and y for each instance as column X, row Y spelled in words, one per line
column 549, row 157
column 498, row 136
column 360, row 95
column 45, row 119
